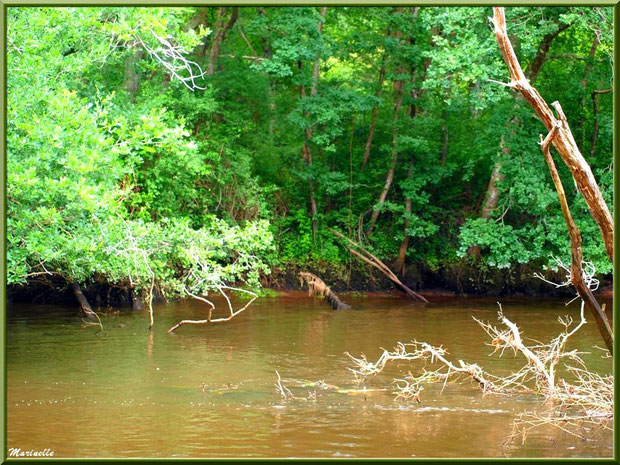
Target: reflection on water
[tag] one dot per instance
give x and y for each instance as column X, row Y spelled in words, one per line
column 208, row 391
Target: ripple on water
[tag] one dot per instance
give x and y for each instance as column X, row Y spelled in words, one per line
column 213, row 395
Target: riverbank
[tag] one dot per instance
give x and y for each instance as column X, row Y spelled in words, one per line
column 452, row 280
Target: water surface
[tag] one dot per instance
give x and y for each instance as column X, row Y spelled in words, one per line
column 208, row 391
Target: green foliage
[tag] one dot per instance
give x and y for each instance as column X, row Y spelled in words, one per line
column 117, row 172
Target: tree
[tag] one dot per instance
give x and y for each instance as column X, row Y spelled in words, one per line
column 561, row 137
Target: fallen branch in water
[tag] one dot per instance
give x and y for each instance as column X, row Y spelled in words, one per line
column 369, row 258
column 316, row 287
column 588, row 400
column 428, row 354
column 542, row 360
column 285, row 392
column 233, row 313
column 587, row 403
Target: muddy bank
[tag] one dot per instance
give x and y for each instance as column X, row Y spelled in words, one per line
column 452, row 280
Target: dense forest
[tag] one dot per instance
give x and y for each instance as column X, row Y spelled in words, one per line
column 174, row 151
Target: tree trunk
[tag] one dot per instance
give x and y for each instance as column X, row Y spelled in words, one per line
column 533, row 68
column 595, row 112
column 564, row 141
column 375, row 111
column 491, row 198
column 132, row 77
column 398, row 98
column 307, row 151
column 576, row 254
column 82, row 301
column 221, row 29
column 404, row 245
column 584, row 83
column 445, row 143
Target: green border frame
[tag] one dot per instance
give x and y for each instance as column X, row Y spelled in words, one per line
column 4, row 4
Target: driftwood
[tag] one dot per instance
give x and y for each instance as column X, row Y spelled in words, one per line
column 233, row 312
column 369, row 258
column 316, row 287
column 563, row 141
column 561, row 137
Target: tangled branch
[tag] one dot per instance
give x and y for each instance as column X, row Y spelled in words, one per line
column 172, row 58
column 425, row 352
column 589, row 399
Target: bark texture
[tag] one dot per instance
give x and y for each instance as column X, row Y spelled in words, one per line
column 564, row 141
column 577, row 278
column 221, row 29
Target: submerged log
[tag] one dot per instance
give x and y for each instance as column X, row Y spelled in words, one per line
column 316, row 287
column 369, row 258
column 81, row 298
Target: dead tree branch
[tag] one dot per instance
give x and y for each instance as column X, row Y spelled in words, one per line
column 563, row 141
column 369, row 258
column 284, row 392
column 588, row 399
column 233, row 313
column 172, row 58
column 576, row 271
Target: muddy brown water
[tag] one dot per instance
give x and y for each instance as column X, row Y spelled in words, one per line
column 208, row 391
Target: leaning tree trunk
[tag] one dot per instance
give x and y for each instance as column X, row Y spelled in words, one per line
column 532, row 71
column 82, row 301
column 370, row 259
column 576, row 271
column 564, row 141
column 561, row 137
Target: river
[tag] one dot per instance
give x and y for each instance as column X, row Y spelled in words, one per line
column 209, row 391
